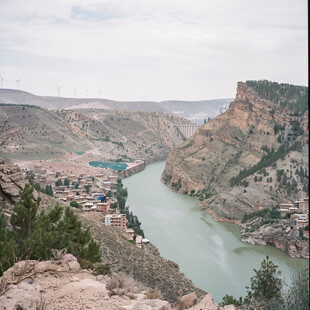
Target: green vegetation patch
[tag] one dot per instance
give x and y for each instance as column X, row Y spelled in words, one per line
column 290, row 96
column 266, row 161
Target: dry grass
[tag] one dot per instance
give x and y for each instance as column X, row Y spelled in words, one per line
column 153, row 295
column 121, row 284
column 58, row 254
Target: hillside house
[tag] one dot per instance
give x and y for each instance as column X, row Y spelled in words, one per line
column 116, row 220
column 302, row 221
column 130, row 233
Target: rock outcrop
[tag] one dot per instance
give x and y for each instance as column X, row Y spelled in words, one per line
column 12, row 181
column 254, row 127
column 31, row 285
column 283, row 235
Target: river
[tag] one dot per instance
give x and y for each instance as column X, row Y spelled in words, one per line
column 209, row 253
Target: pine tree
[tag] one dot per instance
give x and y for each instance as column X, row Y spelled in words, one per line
column 6, row 246
column 77, row 240
column 24, row 213
column 266, row 284
column 34, row 235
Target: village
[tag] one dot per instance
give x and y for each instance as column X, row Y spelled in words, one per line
column 298, row 211
column 87, row 193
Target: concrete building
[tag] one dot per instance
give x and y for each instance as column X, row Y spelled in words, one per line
column 302, row 204
column 116, row 220
column 130, row 232
column 301, row 222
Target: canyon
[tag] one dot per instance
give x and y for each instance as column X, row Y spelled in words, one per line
column 233, row 162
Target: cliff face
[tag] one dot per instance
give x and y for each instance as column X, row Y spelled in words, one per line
column 254, row 126
column 281, row 235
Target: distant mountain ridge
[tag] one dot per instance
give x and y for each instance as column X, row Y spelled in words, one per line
column 31, row 132
column 254, row 155
column 196, row 111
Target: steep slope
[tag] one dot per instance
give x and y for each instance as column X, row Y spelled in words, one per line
column 30, row 132
column 195, row 111
column 264, row 133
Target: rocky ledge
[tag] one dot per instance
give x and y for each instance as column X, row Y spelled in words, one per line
column 62, row 284
column 282, row 234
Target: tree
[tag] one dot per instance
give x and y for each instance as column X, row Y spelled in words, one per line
column 58, row 182
column 30, row 177
column 24, row 213
column 6, row 246
column 87, row 187
column 66, row 182
column 75, row 204
column 297, row 297
column 34, row 234
column 113, row 205
column 230, row 300
column 266, row 284
column 49, row 190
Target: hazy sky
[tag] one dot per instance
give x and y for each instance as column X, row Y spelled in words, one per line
column 151, row 49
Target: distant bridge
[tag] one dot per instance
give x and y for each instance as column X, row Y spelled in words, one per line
column 188, row 130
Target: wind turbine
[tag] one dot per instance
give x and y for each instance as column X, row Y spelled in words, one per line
column 99, row 93
column 74, row 89
column 17, row 83
column 86, row 93
column 1, row 79
column 58, row 90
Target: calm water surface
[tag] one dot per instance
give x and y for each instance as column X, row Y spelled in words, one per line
column 209, row 253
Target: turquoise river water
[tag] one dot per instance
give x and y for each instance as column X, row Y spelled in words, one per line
column 209, row 253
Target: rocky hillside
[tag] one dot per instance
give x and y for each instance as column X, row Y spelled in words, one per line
column 30, row 132
column 254, row 155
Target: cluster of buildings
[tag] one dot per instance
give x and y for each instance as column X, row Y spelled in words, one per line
column 90, row 192
column 299, row 211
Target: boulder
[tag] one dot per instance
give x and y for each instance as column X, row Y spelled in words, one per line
column 74, row 265
column 206, row 303
column 20, row 298
column 186, row 301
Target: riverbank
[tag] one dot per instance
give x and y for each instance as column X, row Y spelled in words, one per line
column 218, row 218
column 208, row 252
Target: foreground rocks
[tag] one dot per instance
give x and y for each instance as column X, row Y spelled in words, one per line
column 31, row 285
column 283, row 235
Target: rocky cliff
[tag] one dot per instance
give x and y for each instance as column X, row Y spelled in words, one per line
column 11, row 182
column 248, row 157
column 283, row 235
